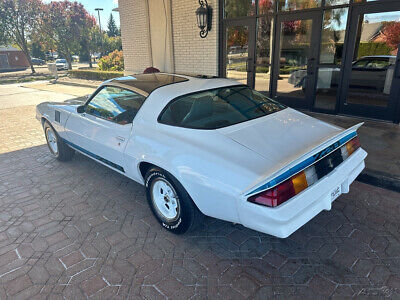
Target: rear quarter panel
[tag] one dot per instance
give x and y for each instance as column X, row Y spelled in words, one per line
column 213, row 169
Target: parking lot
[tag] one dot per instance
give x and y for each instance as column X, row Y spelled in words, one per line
column 76, row 230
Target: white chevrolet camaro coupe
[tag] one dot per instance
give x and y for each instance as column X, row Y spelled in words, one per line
column 210, row 146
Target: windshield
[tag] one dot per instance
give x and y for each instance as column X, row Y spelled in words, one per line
column 218, row 108
column 61, row 61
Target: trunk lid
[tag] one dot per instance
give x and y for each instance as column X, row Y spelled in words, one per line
column 282, row 137
column 285, row 139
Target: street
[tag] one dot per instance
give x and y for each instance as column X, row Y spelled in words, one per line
column 78, row 229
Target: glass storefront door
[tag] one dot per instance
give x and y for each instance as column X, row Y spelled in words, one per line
column 295, row 60
column 330, row 59
column 239, row 46
column 372, row 71
column 331, row 56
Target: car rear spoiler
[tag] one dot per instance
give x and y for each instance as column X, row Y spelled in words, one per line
column 305, row 160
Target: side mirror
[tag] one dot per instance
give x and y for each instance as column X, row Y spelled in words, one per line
column 80, row 109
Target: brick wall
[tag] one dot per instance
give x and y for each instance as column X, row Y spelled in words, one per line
column 191, row 54
column 15, row 59
column 135, row 35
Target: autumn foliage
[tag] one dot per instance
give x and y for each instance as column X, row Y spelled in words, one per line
column 112, row 62
column 64, row 23
column 391, row 34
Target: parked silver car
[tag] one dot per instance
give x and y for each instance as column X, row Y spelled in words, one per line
column 368, row 72
column 61, row 64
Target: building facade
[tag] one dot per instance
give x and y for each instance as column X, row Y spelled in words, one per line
column 12, row 59
column 331, row 56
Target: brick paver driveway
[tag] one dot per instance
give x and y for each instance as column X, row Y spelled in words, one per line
column 77, row 230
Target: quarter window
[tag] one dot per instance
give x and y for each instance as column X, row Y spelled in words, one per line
column 115, row 104
column 218, row 108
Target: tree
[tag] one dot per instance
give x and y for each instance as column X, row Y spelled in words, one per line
column 111, row 44
column 18, row 20
column 112, row 27
column 391, row 34
column 239, row 8
column 64, row 23
column 237, row 36
column 36, row 50
column 93, row 42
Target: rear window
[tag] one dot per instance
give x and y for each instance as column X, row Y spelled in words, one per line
column 218, row 108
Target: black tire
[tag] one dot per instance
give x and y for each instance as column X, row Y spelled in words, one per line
column 63, row 151
column 187, row 212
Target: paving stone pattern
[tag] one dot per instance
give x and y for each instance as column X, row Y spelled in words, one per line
column 77, row 230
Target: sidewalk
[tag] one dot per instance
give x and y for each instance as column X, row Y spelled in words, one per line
column 382, row 142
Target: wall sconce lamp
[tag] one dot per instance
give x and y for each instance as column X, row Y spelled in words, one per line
column 204, row 15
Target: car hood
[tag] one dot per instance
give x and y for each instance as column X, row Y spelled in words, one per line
column 282, row 137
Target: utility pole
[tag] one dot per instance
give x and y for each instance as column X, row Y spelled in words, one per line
column 101, row 32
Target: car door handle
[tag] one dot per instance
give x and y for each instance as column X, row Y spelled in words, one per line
column 120, row 138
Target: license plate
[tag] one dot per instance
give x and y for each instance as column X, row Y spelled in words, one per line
column 336, row 193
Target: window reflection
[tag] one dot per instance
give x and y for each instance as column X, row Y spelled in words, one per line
column 374, row 59
column 362, row 1
column 265, row 6
column 264, row 39
column 294, row 54
column 333, row 32
column 336, row 2
column 298, row 4
column 239, row 8
column 115, row 104
column 237, row 38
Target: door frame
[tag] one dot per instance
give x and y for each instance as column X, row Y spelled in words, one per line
column 316, row 17
column 392, row 110
column 251, row 47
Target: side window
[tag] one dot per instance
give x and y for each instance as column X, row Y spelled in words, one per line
column 115, row 104
column 361, row 63
column 380, row 64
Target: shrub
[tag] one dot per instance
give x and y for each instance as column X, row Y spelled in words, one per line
column 372, row 48
column 112, row 62
column 94, row 74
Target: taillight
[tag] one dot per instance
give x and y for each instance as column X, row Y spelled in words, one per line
column 353, row 145
column 302, row 180
column 282, row 192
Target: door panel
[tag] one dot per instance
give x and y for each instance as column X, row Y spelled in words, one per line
column 99, row 138
column 295, row 60
column 370, row 90
column 103, row 130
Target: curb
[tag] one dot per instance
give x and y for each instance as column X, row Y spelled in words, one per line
column 379, row 179
column 78, row 84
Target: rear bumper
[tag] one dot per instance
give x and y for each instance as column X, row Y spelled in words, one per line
column 282, row 221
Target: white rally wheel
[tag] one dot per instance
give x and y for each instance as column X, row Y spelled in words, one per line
column 51, row 138
column 165, row 199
